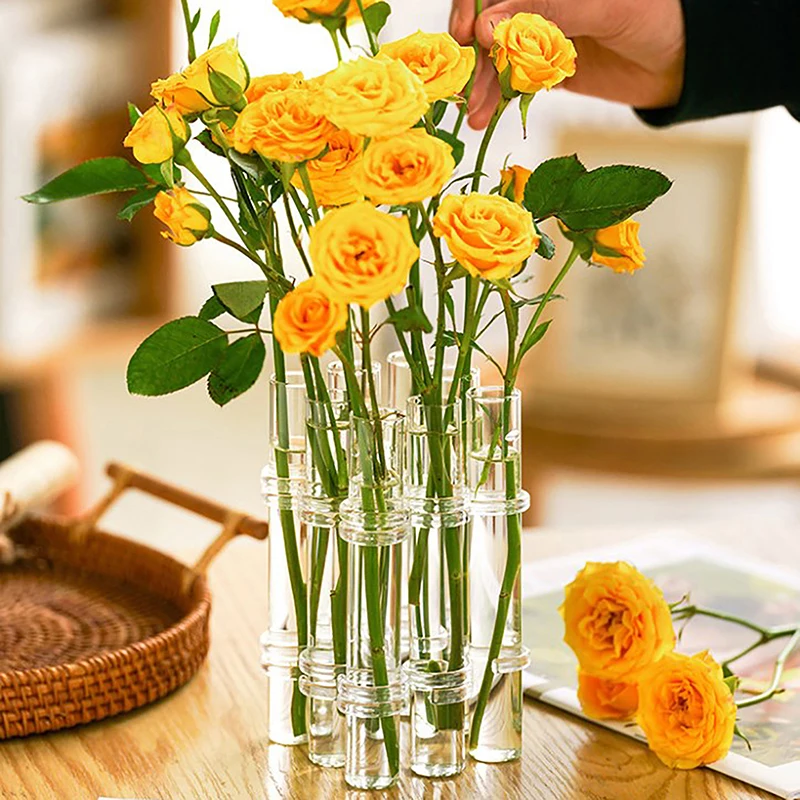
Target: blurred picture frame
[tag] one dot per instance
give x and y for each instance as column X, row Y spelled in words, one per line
column 60, row 266
column 659, row 342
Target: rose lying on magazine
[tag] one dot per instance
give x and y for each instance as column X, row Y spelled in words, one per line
column 621, row 629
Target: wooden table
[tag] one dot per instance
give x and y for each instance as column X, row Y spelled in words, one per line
column 208, row 741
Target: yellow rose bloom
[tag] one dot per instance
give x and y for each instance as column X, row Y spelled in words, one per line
column 488, row 235
column 190, row 91
column 307, row 319
column 371, row 97
column 299, row 9
column 186, row 217
column 153, row 135
column 624, row 238
column 265, row 84
column 604, row 699
column 686, row 710
column 405, row 169
column 361, row 255
column 539, row 54
column 443, row 66
column 513, row 181
column 283, row 126
column 616, row 621
column 332, row 174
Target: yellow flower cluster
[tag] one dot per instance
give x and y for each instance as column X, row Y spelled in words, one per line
column 353, row 139
column 620, row 628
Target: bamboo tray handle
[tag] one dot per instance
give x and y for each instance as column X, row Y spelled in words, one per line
column 233, row 522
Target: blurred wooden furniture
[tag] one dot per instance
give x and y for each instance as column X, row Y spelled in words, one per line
column 754, row 435
column 208, row 741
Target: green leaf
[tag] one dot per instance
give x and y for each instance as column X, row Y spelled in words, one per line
column 242, row 299
column 438, row 111
column 175, row 356
column 213, row 28
column 533, row 337
column 549, row 185
column 137, row 202
column 251, row 165
column 546, row 248
column 411, row 318
column 133, row 113
column 97, row 176
column 195, row 22
column 455, row 273
column 153, row 171
column 212, row 308
column 455, row 143
column 609, row 195
column 238, row 371
column 168, row 173
column 375, row 17
column 524, row 105
column 206, row 139
column 225, row 90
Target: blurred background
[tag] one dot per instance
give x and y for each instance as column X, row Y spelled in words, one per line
column 668, row 396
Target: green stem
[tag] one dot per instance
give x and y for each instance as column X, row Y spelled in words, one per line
column 187, row 21
column 774, row 686
column 309, row 190
column 296, row 581
column 507, row 586
column 336, row 46
column 371, row 38
column 502, row 105
column 768, row 634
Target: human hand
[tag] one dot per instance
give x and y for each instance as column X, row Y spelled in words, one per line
column 631, row 51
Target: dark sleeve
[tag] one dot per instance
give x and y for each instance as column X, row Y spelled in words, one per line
column 741, row 55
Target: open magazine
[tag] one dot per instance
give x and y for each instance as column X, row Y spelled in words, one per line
column 714, row 578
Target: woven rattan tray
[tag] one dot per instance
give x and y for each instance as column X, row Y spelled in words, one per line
column 93, row 625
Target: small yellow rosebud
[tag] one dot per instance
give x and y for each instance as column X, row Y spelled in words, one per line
column 186, row 217
column 191, row 90
column 157, row 135
column 624, row 240
column 513, row 181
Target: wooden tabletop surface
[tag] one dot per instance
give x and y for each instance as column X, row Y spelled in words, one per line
column 208, row 741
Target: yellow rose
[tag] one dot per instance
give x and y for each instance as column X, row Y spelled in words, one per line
column 186, row 217
column 282, row 126
column 362, row 255
column 539, row 54
column 686, row 710
column 604, row 699
column 299, row 9
column 488, row 235
column 190, row 91
column 405, row 169
column 616, row 621
column 374, row 98
column 332, row 174
column 513, row 181
column 624, row 239
column 307, row 319
column 265, row 84
column 443, row 66
column 154, row 134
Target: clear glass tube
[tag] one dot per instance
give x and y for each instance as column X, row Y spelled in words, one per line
column 282, row 487
column 323, row 660
column 374, row 522
column 497, row 503
column 437, row 590
column 337, row 383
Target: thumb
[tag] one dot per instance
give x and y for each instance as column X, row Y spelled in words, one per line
column 585, row 18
